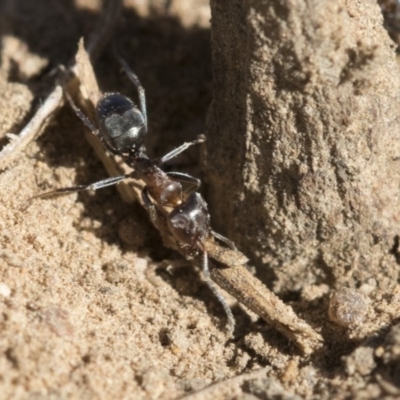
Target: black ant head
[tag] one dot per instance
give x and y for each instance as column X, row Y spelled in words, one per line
column 190, row 221
column 121, row 124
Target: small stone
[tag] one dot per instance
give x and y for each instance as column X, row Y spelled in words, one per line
column 5, row 291
column 132, row 232
column 58, row 321
column 179, row 342
column 348, row 307
column 361, row 360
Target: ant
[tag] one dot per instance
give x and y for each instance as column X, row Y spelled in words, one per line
column 122, row 129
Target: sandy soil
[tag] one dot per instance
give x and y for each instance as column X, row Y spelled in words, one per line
column 92, row 306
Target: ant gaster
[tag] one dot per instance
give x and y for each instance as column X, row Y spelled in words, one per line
column 122, row 129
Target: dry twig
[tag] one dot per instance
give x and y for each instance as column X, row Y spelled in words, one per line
column 35, row 125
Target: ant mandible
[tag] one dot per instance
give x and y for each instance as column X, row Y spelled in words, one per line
column 122, row 129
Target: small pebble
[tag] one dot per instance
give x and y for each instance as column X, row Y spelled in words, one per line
column 348, row 307
column 5, row 291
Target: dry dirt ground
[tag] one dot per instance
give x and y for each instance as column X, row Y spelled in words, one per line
column 92, row 306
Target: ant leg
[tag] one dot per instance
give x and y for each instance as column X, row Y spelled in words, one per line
column 179, row 150
column 82, row 116
column 88, row 123
column 80, row 188
column 194, row 183
column 210, row 284
column 223, row 239
column 135, row 80
column 149, row 205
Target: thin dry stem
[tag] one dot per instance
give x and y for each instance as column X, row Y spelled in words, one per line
column 34, row 126
column 222, row 389
column 248, row 290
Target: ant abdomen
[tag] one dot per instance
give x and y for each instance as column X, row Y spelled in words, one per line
column 190, row 221
column 121, row 123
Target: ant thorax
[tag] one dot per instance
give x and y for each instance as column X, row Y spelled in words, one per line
column 165, row 191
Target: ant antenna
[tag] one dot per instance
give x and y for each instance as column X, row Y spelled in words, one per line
column 135, row 80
